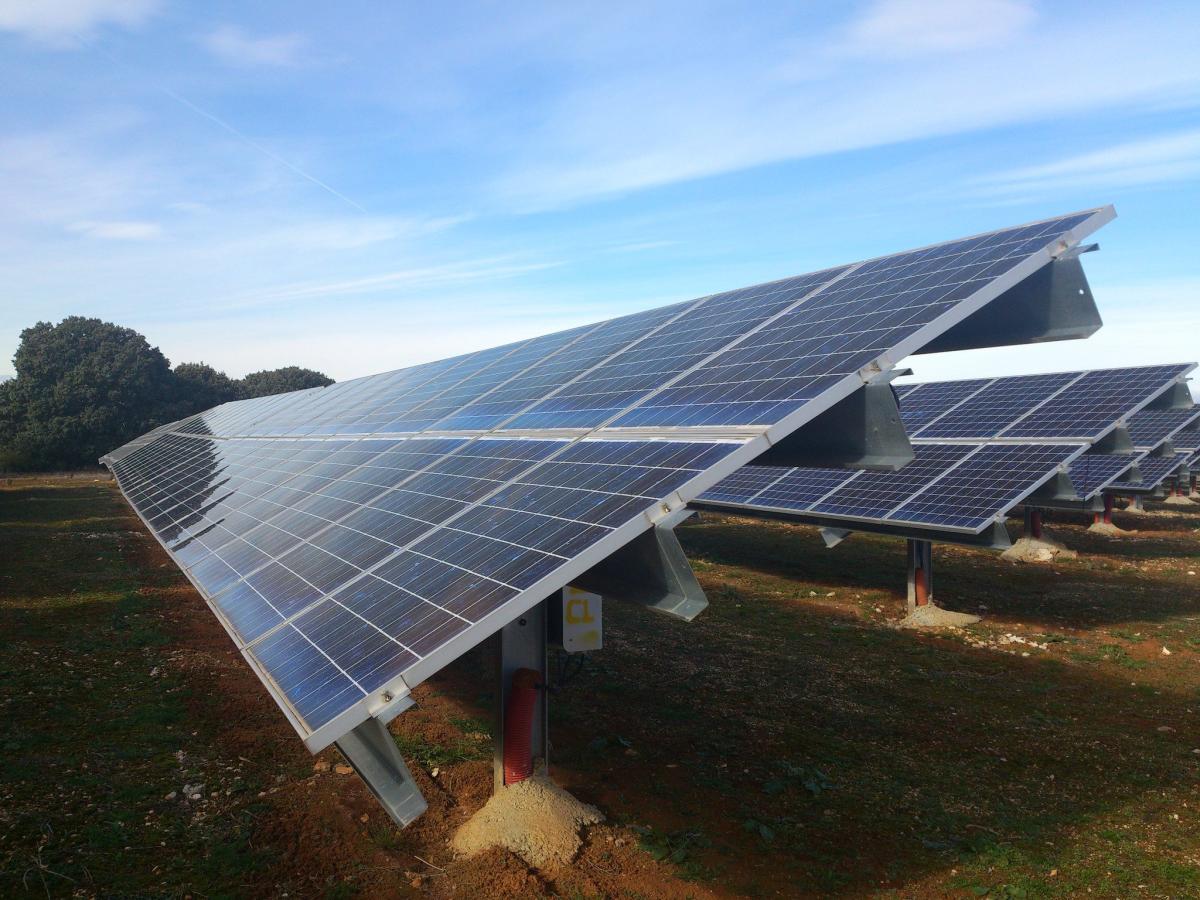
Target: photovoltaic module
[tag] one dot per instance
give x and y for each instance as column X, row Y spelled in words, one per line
column 356, row 538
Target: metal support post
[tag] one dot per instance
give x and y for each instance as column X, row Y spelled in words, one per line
column 920, row 574
column 522, row 646
column 1033, row 523
column 1135, row 503
column 372, row 752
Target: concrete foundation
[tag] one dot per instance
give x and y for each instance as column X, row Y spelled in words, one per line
column 1108, row 529
column 930, row 616
column 535, row 819
column 1038, row 549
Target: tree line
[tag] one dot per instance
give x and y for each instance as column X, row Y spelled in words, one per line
column 85, row 386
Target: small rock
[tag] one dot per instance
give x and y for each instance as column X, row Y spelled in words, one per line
column 1166, row 652
column 1165, row 728
column 343, row 770
column 171, row 796
column 435, row 771
column 364, row 818
column 321, row 765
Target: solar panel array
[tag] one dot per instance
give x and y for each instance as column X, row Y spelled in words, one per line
column 353, row 539
column 1151, row 427
column 1154, row 471
column 1062, row 406
column 1165, row 439
column 972, row 463
column 955, row 487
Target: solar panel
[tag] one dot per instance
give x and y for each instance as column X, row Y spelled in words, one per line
column 1151, row 427
column 1154, row 470
column 1059, row 406
column 354, row 539
column 1093, row 472
column 957, row 487
column 998, row 476
column 1094, row 401
column 959, row 428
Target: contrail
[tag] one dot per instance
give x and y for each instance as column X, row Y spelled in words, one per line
column 241, row 136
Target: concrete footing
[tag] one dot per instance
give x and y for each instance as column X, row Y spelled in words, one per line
column 930, row 616
column 1041, row 549
column 1108, row 529
column 1179, row 500
column 535, row 819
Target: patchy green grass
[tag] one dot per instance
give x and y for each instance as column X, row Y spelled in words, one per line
column 788, row 742
column 95, row 719
column 821, row 750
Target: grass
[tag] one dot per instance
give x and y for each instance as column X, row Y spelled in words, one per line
column 94, row 718
column 789, row 741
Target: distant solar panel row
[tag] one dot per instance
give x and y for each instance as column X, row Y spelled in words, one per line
column 1063, row 405
column 1154, row 470
column 957, row 490
column 1151, row 427
column 354, row 538
column 949, row 486
column 1093, row 472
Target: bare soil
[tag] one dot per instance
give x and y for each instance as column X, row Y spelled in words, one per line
column 789, row 742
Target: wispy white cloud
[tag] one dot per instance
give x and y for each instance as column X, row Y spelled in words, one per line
column 117, row 230
column 59, row 21
column 481, row 270
column 234, row 46
column 1161, row 159
column 678, row 118
column 905, row 28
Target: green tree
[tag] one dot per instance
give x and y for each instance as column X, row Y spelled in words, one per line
column 279, row 381
column 83, row 387
column 199, row 387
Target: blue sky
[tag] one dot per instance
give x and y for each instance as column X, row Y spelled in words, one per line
column 361, row 186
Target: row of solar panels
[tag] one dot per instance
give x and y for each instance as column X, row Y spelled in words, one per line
column 1111, row 428
column 353, row 539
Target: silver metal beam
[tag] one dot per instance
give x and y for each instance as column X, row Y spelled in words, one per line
column 522, row 646
column 372, row 751
column 1055, row 303
column 651, row 570
column 864, row 431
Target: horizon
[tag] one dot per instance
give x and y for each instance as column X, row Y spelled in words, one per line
column 284, row 186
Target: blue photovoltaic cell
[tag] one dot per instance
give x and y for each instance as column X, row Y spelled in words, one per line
column 1060, row 405
column 454, row 528
column 837, row 332
column 1154, row 469
column 346, row 534
column 997, row 477
column 1093, row 472
column 958, row 486
column 875, row 494
column 1187, row 438
column 1151, row 427
column 800, row 488
column 746, row 482
column 923, row 403
column 997, row 407
column 1094, row 401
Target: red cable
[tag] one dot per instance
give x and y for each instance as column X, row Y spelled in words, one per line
column 518, row 725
